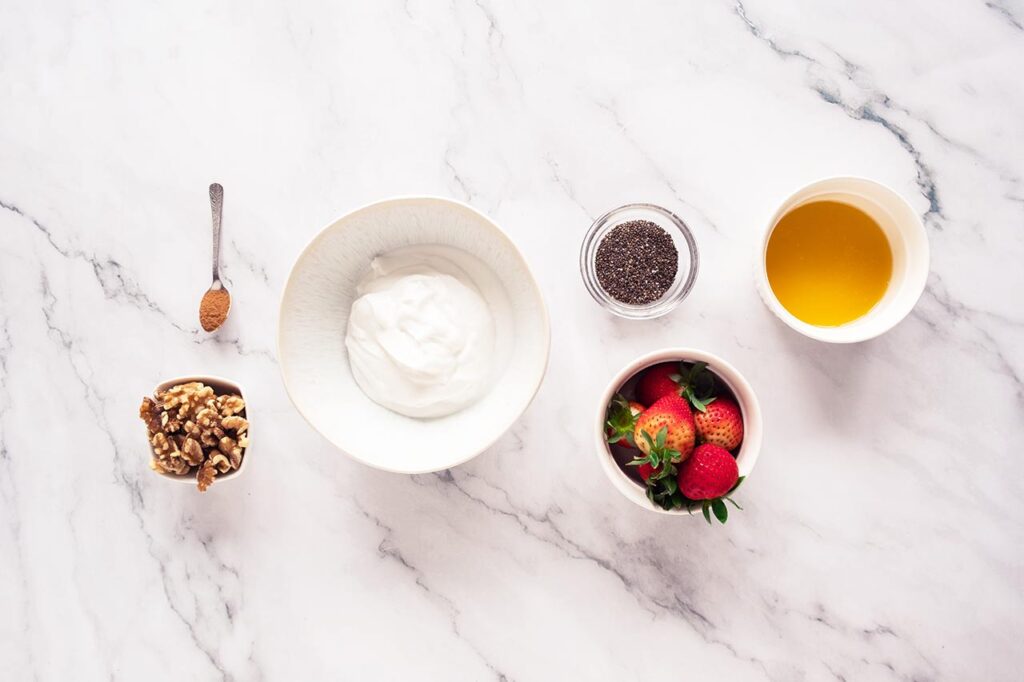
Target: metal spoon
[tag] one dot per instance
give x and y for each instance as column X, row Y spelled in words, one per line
column 213, row 309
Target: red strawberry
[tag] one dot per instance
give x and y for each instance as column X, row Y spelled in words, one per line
column 620, row 421
column 672, row 415
column 721, row 423
column 657, row 382
column 708, row 477
column 709, row 472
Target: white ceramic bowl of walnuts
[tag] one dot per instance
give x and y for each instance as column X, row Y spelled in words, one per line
column 197, row 428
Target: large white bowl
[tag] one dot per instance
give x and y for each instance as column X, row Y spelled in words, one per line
column 314, row 314
column 753, row 429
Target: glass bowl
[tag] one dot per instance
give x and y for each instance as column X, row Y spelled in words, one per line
column 685, row 244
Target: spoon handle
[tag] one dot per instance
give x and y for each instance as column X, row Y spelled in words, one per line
column 216, row 205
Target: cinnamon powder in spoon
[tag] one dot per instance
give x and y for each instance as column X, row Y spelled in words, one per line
column 213, row 309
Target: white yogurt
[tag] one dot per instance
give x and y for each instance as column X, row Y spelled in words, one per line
column 421, row 336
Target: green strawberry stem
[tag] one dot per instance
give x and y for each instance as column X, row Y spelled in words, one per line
column 663, row 488
column 717, row 505
column 620, row 420
column 658, row 454
column 696, row 384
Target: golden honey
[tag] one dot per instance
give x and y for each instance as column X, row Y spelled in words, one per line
column 828, row 263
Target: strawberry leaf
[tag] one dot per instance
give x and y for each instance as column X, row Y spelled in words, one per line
column 658, row 453
column 721, row 511
column 660, row 498
column 667, row 472
column 697, row 385
column 620, row 420
column 736, row 485
column 716, row 507
column 702, row 381
column 699, row 404
column 662, row 487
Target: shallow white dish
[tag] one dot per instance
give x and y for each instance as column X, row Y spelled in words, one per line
column 314, row 313
column 753, row 430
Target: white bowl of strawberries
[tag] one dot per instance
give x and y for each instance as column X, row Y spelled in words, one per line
column 678, row 431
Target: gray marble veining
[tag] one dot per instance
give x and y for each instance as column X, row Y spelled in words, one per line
column 883, row 527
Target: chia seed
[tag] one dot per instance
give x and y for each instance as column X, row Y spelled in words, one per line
column 636, row 262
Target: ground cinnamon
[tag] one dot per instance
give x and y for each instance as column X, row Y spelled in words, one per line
column 213, row 309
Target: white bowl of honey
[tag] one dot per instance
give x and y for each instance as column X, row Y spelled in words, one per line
column 843, row 260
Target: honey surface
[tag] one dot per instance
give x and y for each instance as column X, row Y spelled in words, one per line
column 828, row 263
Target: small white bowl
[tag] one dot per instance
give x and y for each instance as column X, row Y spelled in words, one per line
column 910, row 256
column 752, row 426
column 314, row 316
column 220, row 386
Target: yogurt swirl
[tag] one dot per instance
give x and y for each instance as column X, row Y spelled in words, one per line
column 420, row 335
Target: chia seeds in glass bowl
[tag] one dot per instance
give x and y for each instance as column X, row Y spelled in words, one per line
column 639, row 261
column 636, row 262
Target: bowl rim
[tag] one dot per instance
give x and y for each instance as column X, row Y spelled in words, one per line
column 209, row 380
column 849, row 332
column 753, row 425
column 534, row 285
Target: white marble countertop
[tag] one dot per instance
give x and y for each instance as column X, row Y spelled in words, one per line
column 884, row 524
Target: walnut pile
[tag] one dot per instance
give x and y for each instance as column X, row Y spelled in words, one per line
column 192, row 428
